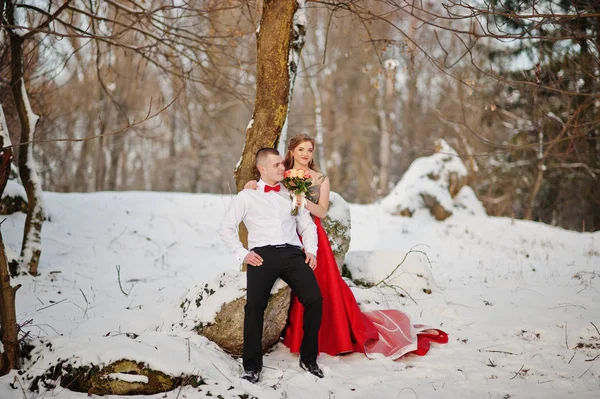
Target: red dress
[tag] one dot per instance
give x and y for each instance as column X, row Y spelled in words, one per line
column 345, row 328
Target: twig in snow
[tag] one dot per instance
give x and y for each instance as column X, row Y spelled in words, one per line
column 566, row 335
column 219, row 370
column 595, row 328
column 518, row 372
column 413, row 391
column 591, row 360
column 396, row 287
column 585, row 371
column 574, row 352
column 185, row 382
column 117, row 237
column 402, row 262
column 52, row 304
column 494, row 351
column 18, row 381
column 119, row 279
column 87, row 304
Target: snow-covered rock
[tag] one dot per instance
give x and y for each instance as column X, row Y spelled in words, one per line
column 434, row 183
column 337, row 224
column 215, row 310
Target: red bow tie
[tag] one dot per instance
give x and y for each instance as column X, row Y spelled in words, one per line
column 269, row 188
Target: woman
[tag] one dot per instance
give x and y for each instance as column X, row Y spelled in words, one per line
column 344, row 327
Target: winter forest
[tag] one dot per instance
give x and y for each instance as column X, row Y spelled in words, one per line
column 461, row 140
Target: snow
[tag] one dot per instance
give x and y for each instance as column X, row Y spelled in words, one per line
column 300, row 15
column 128, row 377
column 14, row 189
column 429, row 176
column 228, row 287
column 390, row 64
column 517, row 299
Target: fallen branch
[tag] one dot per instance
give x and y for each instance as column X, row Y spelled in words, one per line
column 412, row 250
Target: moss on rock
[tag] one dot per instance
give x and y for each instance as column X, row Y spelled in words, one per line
column 96, row 380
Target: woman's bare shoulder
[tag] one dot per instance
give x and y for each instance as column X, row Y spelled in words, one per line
column 317, row 177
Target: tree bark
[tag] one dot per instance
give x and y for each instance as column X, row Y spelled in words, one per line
column 274, row 40
column 9, row 358
column 31, row 246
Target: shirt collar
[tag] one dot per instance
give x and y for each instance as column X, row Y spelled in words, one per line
column 262, row 184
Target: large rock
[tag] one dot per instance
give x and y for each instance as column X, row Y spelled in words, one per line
column 215, row 310
column 435, row 183
column 337, row 224
column 123, row 377
column 121, row 363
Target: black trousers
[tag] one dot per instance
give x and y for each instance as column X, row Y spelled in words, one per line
column 288, row 263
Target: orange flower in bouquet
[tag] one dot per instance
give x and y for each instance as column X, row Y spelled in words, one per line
column 297, row 181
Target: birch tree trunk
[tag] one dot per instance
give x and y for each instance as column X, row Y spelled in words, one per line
column 31, row 247
column 9, row 339
column 385, row 106
column 274, row 74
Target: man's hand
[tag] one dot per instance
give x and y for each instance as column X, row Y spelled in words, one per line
column 311, row 260
column 253, row 259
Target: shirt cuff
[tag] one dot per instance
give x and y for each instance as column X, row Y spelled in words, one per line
column 241, row 253
column 311, row 250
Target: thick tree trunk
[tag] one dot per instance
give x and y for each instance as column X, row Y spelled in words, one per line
column 31, row 247
column 274, row 40
column 9, row 356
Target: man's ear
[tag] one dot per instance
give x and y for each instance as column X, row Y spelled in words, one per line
column 261, row 169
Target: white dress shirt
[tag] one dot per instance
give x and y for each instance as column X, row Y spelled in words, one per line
column 268, row 218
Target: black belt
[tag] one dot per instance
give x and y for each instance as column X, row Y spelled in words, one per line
column 281, row 246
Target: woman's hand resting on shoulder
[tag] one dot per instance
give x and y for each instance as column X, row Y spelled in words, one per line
column 251, row 185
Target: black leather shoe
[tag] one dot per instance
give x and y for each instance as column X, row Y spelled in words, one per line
column 312, row 368
column 252, row 376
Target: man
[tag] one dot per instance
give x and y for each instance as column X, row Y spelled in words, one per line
column 275, row 251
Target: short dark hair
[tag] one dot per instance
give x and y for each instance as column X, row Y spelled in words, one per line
column 262, row 154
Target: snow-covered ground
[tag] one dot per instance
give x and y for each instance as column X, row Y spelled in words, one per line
column 518, row 299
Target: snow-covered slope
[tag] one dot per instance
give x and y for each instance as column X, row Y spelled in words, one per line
column 517, row 299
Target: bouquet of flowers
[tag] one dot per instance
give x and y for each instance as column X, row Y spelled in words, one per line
column 298, row 182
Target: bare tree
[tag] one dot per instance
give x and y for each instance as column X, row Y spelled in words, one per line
column 277, row 36
column 9, row 356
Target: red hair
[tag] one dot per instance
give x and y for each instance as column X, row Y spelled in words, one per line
column 294, row 142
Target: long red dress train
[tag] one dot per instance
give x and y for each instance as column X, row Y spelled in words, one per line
column 345, row 328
